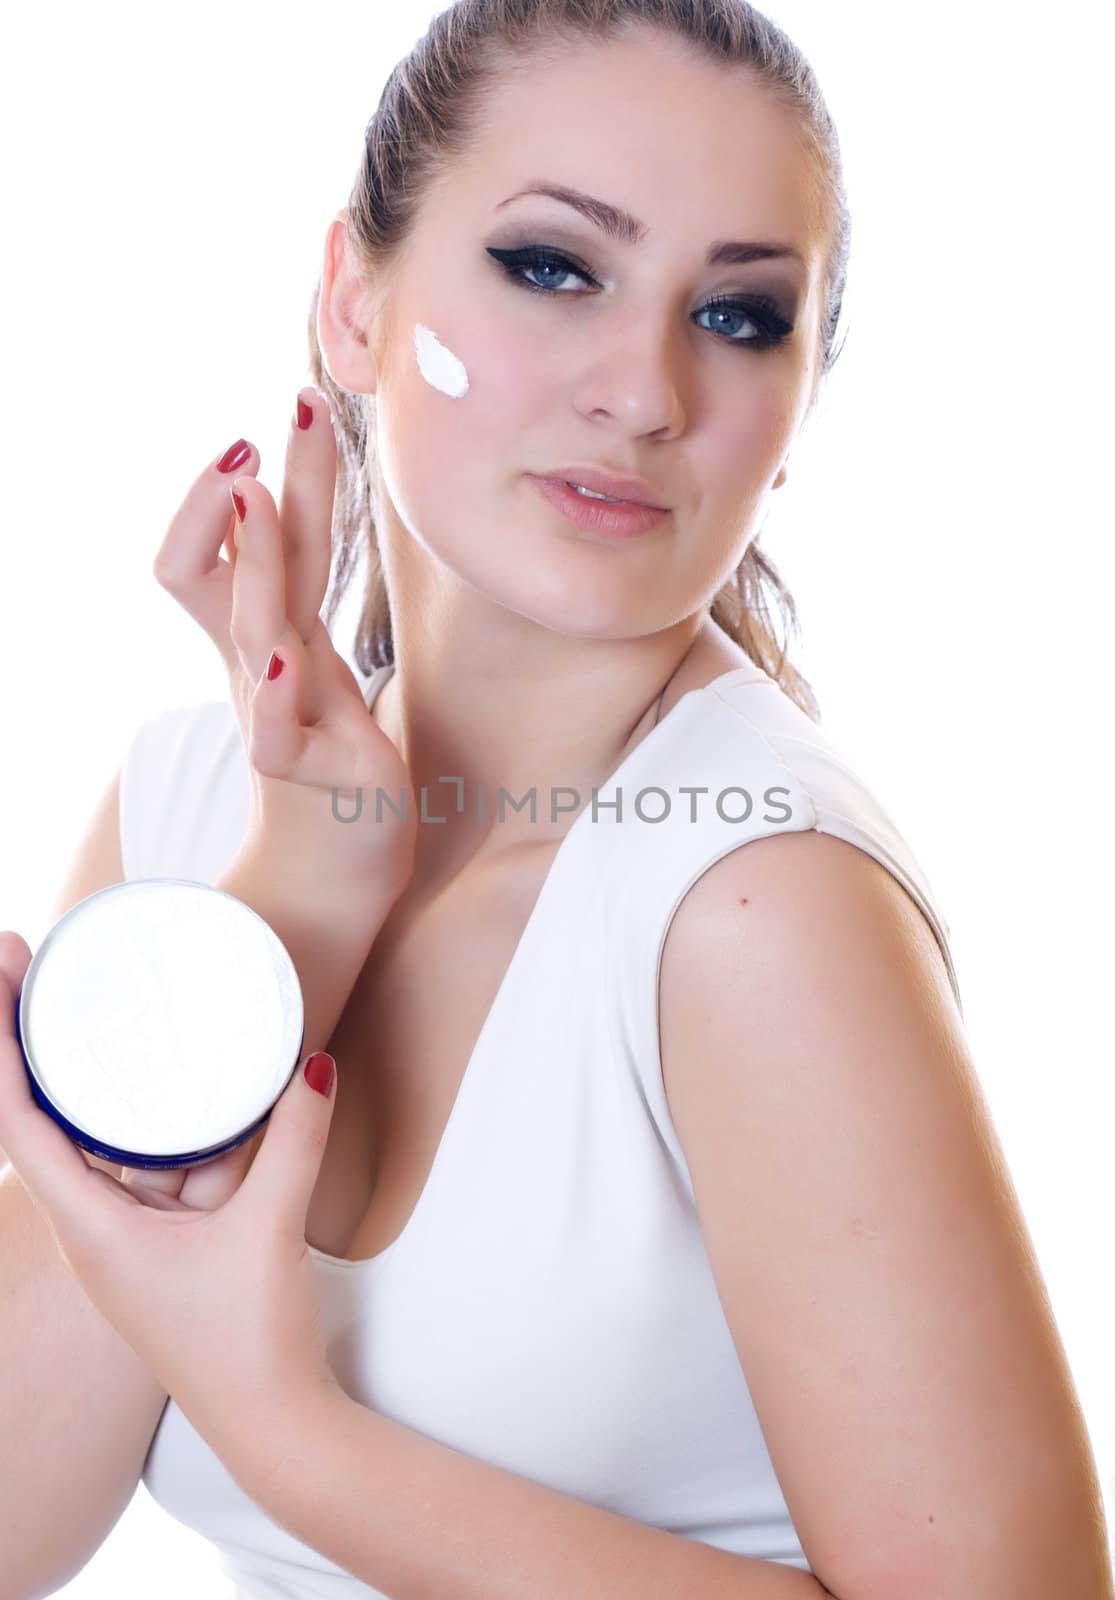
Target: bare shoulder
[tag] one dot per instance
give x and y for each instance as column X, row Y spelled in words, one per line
column 797, row 891
column 865, row 1238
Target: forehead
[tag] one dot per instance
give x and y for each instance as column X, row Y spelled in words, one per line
column 692, row 146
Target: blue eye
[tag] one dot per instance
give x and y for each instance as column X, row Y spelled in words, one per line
column 759, row 310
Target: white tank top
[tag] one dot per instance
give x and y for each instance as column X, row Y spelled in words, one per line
column 549, row 1306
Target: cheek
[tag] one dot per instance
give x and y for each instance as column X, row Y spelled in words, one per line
column 486, row 377
column 451, row 414
column 441, row 368
column 754, row 432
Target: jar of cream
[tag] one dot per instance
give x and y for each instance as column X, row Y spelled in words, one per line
column 160, row 1020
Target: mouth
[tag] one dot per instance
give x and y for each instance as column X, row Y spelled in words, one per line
column 608, row 518
column 607, row 487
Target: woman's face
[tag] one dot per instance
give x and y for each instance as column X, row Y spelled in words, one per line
column 626, row 368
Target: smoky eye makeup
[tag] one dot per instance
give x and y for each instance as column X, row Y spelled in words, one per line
column 770, row 315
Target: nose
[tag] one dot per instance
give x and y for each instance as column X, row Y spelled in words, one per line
column 634, row 375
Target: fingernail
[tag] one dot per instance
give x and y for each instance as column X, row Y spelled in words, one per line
column 274, row 666
column 305, row 414
column 238, row 504
column 318, row 1072
column 235, row 456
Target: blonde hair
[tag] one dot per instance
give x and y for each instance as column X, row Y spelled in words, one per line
column 429, row 108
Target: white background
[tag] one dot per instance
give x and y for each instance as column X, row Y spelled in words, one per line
column 946, row 528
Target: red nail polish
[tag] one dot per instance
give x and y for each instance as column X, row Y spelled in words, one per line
column 235, row 456
column 305, row 414
column 274, row 666
column 318, row 1071
column 238, row 502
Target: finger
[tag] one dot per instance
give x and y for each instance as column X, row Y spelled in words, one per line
column 290, row 733
column 15, row 958
column 287, row 1164
column 259, row 607
column 188, row 563
column 163, row 1180
column 210, row 1183
column 201, row 1187
column 330, row 752
column 306, row 508
column 66, row 1189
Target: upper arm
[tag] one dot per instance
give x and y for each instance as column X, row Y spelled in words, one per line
column 865, row 1238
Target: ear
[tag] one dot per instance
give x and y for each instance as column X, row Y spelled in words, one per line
column 342, row 314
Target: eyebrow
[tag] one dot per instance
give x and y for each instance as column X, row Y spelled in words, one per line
column 621, row 225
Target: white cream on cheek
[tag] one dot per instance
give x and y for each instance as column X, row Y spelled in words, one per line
column 441, row 369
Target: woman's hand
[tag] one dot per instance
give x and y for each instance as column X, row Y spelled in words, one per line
column 215, row 1292
column 310, row 740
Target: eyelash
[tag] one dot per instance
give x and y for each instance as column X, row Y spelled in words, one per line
column 758, row 309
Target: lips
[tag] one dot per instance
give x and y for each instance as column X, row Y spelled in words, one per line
column 637, row 490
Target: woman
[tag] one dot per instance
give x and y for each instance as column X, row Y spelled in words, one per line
column 658, row 1239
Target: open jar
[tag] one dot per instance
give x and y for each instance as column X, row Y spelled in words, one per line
column 160, row 1020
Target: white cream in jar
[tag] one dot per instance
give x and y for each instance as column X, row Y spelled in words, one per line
column 160, row 1019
